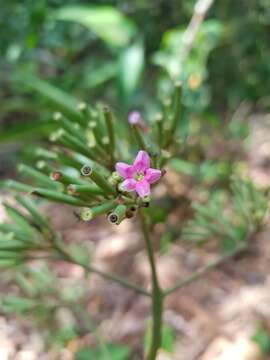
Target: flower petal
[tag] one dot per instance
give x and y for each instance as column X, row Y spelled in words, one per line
column 152, row 175
column 143, row 188
column 125, row 170
column 129, row 185
column 142, row 161
column 134, row 117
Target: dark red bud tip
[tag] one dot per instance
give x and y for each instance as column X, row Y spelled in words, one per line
column 120, row 200
column 56, row 175
column 129, row 214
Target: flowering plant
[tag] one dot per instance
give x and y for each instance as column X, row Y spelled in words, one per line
column 90, row 166
column 82, row 169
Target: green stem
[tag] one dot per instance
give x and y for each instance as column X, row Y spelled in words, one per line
column 157, row 295
column 68, row 257
column 212, row 265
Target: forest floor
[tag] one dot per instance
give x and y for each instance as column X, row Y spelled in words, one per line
column 213, row 318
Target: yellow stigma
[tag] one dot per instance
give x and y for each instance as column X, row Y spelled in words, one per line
column 139, row 176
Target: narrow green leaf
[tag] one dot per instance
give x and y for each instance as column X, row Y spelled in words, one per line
column 105, row 21
column 29, row 205
column 16, row 186
column 26, row 129
column 58, row 197
column 60, row 100
column 19, row 218
column 38, row 176
column 131, row 65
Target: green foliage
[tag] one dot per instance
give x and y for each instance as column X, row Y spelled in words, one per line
column 118, row 30
column 78, row 48
column 193, row 70
column 130, row 69
column 60, row 100
column 169, row 56
column 26, row 130
column 168, row 338
column 15, row 304
column 207, row 172
column 262, row 338
column 112, row 352
column 229, row 218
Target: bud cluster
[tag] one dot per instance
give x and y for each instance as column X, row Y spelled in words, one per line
column 82, row 167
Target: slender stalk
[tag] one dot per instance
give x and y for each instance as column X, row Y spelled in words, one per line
column 200, row 10
column 110, row 130
column 157, row 295
column 212, row 265
column 68, row 257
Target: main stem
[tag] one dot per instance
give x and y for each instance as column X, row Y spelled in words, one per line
column 157, row 296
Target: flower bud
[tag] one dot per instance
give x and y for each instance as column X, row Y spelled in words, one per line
column 89, row 214
column 99, row 179
column 118, row 215
column 86, row 170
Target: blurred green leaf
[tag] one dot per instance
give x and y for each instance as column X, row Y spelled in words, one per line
column 80, row 253
column 168, row 338
column 165, row 242
column 240, row 214
column 65, row 335
column 131, row 65
column 105, row 21
column 18, row 304
column 26, row 129
column 115, row 352
column 59, row 99
column 183, row 166
column 102, row 74
column 19, row 219
column 262, row 338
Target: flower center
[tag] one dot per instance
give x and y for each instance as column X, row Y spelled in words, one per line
column 139, row 176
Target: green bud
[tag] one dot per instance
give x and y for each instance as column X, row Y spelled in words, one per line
column 118, row 215
column 99, row 179
column 86, row 170
column 116, row 176
column 90, row 213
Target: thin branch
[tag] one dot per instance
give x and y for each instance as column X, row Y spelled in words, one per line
column 189, row 36
column 198, row 274
column 117, row 279
column 111, row 277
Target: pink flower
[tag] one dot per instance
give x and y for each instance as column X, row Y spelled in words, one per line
column 138, row 176
column 135, row 119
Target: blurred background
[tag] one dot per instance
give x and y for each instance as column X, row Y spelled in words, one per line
column 125, row 53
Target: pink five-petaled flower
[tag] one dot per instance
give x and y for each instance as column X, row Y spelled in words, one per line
column 135, row 119
column 139, row 175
